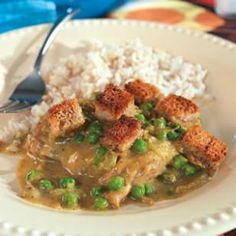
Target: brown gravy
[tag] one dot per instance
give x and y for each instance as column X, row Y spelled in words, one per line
column 54, row 171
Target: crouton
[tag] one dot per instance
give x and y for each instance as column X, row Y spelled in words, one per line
column 65, row 117
column 203, row 149
column 179, row 110
column 122, row 134
column 113, row 103
column 143, row 92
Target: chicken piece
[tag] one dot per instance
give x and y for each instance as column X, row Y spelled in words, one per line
column 65, row 117
column 81, row 161
column 203, row 149
column 116, row 197
column 113, row 103
column 122, row 134
column 60, row 120
column 143, row 92
column 139, row 169
column 146, row 166
column 179, row 110
column 154, row 162
column 124, row 163
column 37, row 142
column 127, row 168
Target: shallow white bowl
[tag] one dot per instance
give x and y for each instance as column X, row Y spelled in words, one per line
column 207, row 211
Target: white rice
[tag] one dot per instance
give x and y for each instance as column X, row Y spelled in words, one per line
column 97, row 64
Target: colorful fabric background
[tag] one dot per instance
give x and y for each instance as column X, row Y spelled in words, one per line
column 194, row 14
column 171, row 12
column 15, row 14
column 197, row 14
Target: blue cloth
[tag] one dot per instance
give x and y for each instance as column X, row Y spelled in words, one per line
column 19, row 13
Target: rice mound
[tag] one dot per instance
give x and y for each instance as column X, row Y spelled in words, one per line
column 97, row 64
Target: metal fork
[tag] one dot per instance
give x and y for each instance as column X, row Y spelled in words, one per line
column 32, row 88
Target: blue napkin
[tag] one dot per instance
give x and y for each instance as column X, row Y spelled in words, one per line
column 20, row 13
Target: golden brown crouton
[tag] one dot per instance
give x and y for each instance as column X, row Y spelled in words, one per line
column 178, row 109
column 113, row 103
column 203, row 149
column 143, row 92
column 65, row 117
column 196, row 139
column 122, row 134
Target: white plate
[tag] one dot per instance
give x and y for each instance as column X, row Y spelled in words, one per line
column 207, row 211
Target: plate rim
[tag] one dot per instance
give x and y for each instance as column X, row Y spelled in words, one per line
column 199, row 225
column 225, row 43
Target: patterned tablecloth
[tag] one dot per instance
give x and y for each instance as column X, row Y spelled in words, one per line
column 197, row 14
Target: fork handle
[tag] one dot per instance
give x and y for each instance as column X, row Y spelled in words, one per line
column 51, row 36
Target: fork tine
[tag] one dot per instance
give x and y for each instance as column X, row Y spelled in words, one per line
column 8, row 105
column 18, row 107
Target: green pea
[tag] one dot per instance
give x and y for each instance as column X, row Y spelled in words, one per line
column 189, row 170
column 67, row 182
column 181, row 131
column 100, row 155
column 149, row 188
column 140, row 117
column 138, row 191
column 97, row 191
column 34, row 175
column 173, row 135
column 160, row 123
column 179, row 161
column 168, row 178
column 45, row 185
column 70, row 199
column 140, row 146
column 101, row 203
column 174, row 125
column 93, row 138
column 79, row 138
column 162, row 135
column 95, row 128
column 116, row 183
column 147, row 106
